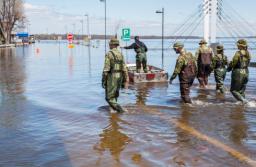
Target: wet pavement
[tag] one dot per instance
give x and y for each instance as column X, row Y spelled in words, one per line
column 53, row 113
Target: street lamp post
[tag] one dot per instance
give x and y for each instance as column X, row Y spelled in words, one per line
column 162, row 12
column 82, row 22
column 88, row 28
column 28, row 27
column 66, row 29
column 105, row 3
column 74, row 30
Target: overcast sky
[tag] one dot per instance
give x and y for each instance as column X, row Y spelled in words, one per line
column 59, row 16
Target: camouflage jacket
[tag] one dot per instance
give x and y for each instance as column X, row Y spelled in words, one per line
column 111, row 65
column 241, row 59
column 138, row 47
column 219, row 61
column 182, row 61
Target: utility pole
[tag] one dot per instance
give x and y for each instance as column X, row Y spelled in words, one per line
column 74, row 30
column 162, row 12
column 105, row 3
column 82, row 22
column 88, row 29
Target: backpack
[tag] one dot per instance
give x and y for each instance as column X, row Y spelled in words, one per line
column 189, row 70
column 205, row 58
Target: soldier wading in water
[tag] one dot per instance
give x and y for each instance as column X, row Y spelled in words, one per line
column 240, row 72
column 186, row 69
column 141, row 57
column 115, row 75
column 204, row 58
column 219, row 65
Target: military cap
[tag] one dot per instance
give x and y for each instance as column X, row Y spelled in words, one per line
column 242, row 42
column 178, row 45
column 114, row 41
column 203, row 41
column 220, row 47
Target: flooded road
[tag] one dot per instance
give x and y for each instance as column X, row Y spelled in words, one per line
column 53, row 113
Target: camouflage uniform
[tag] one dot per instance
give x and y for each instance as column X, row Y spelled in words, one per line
column 141, row 57
column 186, row 69
column 240, row 73
column 114, row 76
column 219, row 64
column 204, row 58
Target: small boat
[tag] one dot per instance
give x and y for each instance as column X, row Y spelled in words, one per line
column 154, row 74
column 253, row 64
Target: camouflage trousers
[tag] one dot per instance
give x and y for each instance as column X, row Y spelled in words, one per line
column 185, row 91
column 220, row 75
column 239, row 79
column 204, row 72
column 114, row 82
column 141, row 58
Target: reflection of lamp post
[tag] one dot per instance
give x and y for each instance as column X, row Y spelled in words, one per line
column 162, row 12
column 105, row 2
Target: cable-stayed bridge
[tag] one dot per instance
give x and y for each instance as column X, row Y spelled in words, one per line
column 217, row 21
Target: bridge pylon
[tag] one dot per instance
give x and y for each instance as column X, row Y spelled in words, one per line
column 211, row 11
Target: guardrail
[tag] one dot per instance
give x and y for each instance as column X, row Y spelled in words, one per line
column 7, row 46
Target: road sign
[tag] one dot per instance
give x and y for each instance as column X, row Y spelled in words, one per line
column 22, row 34
column 126, row 34
column 70, row 36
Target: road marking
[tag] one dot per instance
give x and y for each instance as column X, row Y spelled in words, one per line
column 233, row 152
column 240, row 156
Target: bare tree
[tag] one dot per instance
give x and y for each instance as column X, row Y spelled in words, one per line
column 11, row 13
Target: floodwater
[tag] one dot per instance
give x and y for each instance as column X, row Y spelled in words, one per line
column 53, row 114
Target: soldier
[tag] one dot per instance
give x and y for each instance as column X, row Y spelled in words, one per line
column 204, row 58
column 186, row 69
column 115, row 75
column 141, row 58
column 219, row 64
column 240, row 73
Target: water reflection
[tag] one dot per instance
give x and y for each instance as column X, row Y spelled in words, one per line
column 12, row 80
column 70, row 63
column 12, row 72
column 89, row 61
column 112, row 138
column 184, row 139
column 183, row 136
column 143, row 91
column 238, row 126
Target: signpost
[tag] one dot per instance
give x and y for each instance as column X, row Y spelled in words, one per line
column 126, row 36
column 70, row 41
column 70, row 38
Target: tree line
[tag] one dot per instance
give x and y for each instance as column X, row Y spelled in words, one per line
column 12, row 17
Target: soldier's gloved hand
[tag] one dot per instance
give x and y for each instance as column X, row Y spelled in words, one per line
column 104, row 80
column 103, row 84
column 229, row 69
column 170, row 81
